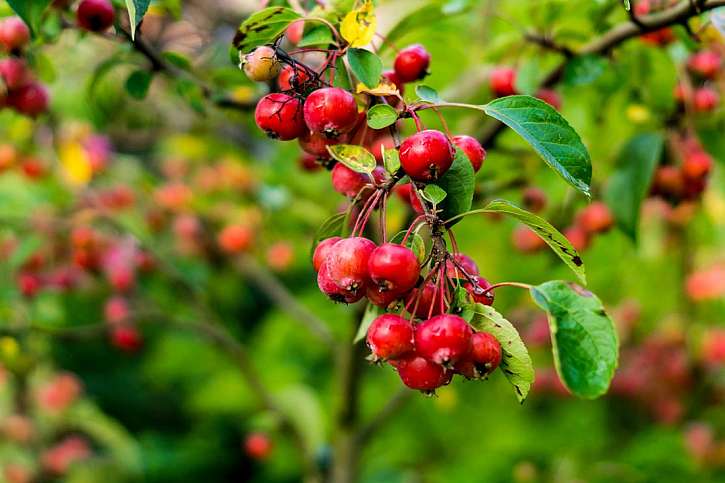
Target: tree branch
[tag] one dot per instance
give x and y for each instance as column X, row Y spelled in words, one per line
column 279, row 294
column 679, row 14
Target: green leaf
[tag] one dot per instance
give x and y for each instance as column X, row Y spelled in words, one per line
column 372, row 312
column 557, row 241
column 192, row 93
column 263, row 27
column 583, row 336
column 136, row 11
column 333, row 226
column 31, row 11
column 42, row 66
column 630, row 183
column 421, row 17
column 317, row 35
column 178, row 60
column 138, row 83
column 515, row 361
column 528, row 77
column 357, row 158
column 458, row 183
column 391, row 160
column 584, row 69
column 366, row 66
column 342, row 77
column 434, row 194
column 381, row 116
column 428, row 94
column 549, row 134
column 414, row 242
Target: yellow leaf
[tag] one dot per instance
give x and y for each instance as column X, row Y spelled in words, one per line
column 358, row 26
column 382, row 89
column 76, row 162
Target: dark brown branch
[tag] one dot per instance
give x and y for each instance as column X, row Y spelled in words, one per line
column 548, row 43
column 615, row 36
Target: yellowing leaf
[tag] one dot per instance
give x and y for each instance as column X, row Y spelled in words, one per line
column 382, row 89
column 76, row 162
column 358, row 26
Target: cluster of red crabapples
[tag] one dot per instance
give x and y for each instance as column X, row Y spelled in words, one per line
column 423, row 340
column 697, row 88
column 19, row 90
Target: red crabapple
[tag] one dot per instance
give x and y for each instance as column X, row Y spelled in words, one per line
column 346, row 181
column 336, row 293
column 390, row 336
column 308, row 162
column 394, row 267
column 393, row 78
column 258, row 446
column 127, row 338
column 534, row 199
column 419, row 373
column 292, row 78
column 14, row 34
column 411, row 63
column 31, row 99
column 696, row 165
column 668, row 181
column 595, row 218
column 13, row 72
column 235, row 238
column 261, row 64
column 95, row 15
column 29, row 284
column 316, row 144
column 116, row 310
column 381, row 298
column 464, row 261
column 423, row 301
column 484, row 358
column 478, row 292
column 348, row 264
column 550, row 97
column 503, row 81
column 472, row 149
column 705, row 63
column 331, row 111
column 578, row 237
column 426, row 156
column 322, row 251
column 526, row 240
column 443, row 339
column 280, row 116
column 705, row 99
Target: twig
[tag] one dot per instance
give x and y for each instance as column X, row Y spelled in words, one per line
column 548, row 43
column 279, row 294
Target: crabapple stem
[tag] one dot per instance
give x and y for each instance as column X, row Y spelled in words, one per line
column 508, row 284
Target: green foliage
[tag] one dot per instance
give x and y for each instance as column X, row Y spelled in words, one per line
column 136, row 10
column 31, row 11
column 458, row 184
column 263, row 27
column 366, row 66
column 381, row 116
column 355, row 157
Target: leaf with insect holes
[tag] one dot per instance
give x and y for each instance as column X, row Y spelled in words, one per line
column 433, row 193
column 381, row 116
column 557, row 241
column 366, row 66
column 372, row 312
column 333, row 226
column 428, row 94
column 359, row 25
column 549, row 134
column 316, row 35
column 263, row 27
column 458, row 183
column 584, row 340
column 391, row 159
column 630, row 183
column 516, row 362
column 30, row 11
column 136, row 11
column 357, row 158
column 414, row 242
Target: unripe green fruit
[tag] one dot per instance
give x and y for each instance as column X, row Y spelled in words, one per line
column 261, row 64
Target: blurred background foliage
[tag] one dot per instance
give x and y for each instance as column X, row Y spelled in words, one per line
column 177, row 409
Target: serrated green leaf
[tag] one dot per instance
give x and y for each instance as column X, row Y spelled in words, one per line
column 583, row 336
column 434, row 194
column 381, row 116
column 263, row 27
column 136, row 11
column 31, row 11
column 316, row 35
column 366, row 66
column 458, row 183
column 355, row 157
column 630, row 183
column 516, row 363
column 428, row 94
column 555, row 239
column 372, row 312
column 549, row 134
column 391, row 159
column 138, row 83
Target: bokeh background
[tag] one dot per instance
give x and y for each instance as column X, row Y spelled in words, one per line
column 170, row 169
